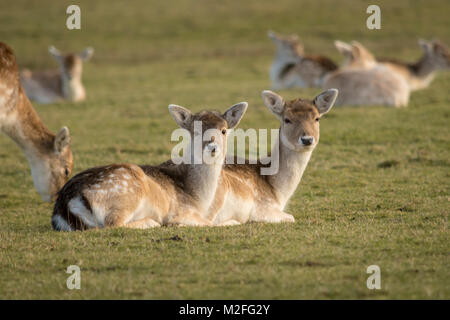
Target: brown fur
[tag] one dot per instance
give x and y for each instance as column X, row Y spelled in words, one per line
column 19, row 120
column 146, row 196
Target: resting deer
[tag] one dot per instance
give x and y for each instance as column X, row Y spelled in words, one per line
column 244, row 194
column 293, row 68
column 363, row 81
column 127, row 195
column 49, row 156
column 418, row 74
column 57, row 85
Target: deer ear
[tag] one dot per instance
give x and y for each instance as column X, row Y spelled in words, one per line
column 55, row 53
column 325, row 100
column 234, row 114
column 361, row 52
column 182, row 116
column 274, row 102
column 343, row 47
column 62, row 140
column 87, row 53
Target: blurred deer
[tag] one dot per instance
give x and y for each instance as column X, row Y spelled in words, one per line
column 293, row 68
column 418, row 75
column 57, row 85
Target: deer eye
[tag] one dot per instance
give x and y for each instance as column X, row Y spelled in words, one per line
column 66, row 172
column 224, row 131
column 317, row 119
column 287, row 120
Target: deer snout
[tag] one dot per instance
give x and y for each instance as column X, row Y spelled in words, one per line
column 306, row 140
column 213, row 148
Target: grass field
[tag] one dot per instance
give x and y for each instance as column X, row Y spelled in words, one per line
column 376, row 190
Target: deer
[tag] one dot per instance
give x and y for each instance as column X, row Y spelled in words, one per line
column 418, row 75
column 363, row 81
column 291, row 67
column 375, row 86
column 49, row 155
column 141, row 197
column 244, row 194
column 58, row 85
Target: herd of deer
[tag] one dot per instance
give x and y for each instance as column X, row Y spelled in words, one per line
column 201, row 193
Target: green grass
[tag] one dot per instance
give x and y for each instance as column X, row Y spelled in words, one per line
column 376, row 190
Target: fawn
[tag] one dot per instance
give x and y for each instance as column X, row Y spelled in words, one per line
column 243, row 194
column 293, row 68
column 127, row 195
column 49, row 156
column 57, row 85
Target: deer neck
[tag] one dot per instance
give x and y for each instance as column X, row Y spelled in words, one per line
column 201, row 181
column 23, row 125
column 280, row 64
column 72, row 89
column 422, row 72
column 292, row 164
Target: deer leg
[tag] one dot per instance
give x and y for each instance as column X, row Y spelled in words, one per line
column 272, row 216
column 190, row 219
column 143, row 224
column 230, row 222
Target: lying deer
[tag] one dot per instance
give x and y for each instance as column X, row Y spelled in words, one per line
column 57, row 85
column 126, row 195
column 49, row 156
column 293, row 68
column 244, row 194
column 363, row 81
column 418, row 75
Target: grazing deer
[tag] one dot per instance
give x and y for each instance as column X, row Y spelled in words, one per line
column 56, row 85
column 292, row 68
column 49, row 156
column 126, row 195
column 244, row 194
column 418, row 74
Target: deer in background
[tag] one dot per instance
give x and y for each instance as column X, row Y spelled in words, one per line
column 363, row 81
column 293, row 68
column 126, row 195
column 49, row 156
column 418, row 75
column 57, row 85
column 243, row 194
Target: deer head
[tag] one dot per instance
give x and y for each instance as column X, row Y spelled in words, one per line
column 299, row 118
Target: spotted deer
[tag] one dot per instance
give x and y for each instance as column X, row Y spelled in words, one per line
column 293, row 68
column 57, row 85
column 49, row 156
column 244, row 195
column 127, row 195
column 418, row 75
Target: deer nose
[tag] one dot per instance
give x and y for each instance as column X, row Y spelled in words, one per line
column 307, row 140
